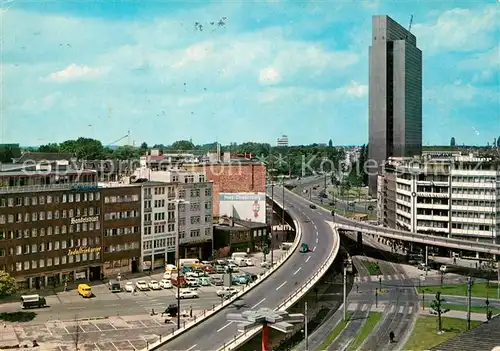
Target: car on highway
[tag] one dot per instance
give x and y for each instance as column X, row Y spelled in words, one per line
column 154, row 285
column 166, row 284
column 129, row 287
column 313, row 206
column 226, row 291
column 187, row 294
column 304, row 248
column 142, row 285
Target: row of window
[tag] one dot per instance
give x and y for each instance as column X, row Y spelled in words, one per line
column 54, row 245
column 121, row 198
column 122, row 247
column 471, row 227
column 474, row 191
column 432, row 212
column 477, row 179
column 49, row 215
column 121, row 231
column 48, row 199
column 470, row 214
column 121, row 215
column 56, row 261
column 34, row 232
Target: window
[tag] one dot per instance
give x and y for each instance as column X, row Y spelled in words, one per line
column 56, row 261
column 34, row 264
column 34, row 200
column 64, row 199
column 49, row 199
column 42, row 263
column 49, row 215
column 26, row 265
column 71, row 197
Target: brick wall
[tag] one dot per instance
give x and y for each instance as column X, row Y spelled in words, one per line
column 237, row 178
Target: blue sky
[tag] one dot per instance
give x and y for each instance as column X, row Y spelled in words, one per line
column 99, row 69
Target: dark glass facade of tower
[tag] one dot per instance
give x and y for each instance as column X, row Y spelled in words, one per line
column 395, row 95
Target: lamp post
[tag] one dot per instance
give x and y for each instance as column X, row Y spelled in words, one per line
column 179, row 202
column 268, row 318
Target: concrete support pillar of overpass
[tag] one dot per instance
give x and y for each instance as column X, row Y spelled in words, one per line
column 359, row 242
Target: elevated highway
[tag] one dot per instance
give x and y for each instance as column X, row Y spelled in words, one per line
column 216, row 332
column 425, row 239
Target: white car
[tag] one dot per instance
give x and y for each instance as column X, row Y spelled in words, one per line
column 129, row 287
column 192, row 282
column 167, row 275
column 141, row 285
column 226, row 291
column 187, row 294
column 265, row 264
column 166, row 284
column 249, row 262
column 154, row 285
column 233, row 267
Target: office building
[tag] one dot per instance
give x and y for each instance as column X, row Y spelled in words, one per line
column 395, row 95
column 449, row 195
column 175, row 202
column 282, row 141
column 50, row 226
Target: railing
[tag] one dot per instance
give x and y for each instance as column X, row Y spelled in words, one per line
column 218, row 307
column 43, row 187
column 292, row 299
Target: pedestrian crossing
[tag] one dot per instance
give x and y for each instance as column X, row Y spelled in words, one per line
column 376, row 278
column 382, row 307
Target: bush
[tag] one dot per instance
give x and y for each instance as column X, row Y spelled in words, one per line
column 17, row 316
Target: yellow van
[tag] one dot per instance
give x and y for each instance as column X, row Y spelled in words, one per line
column 84, row 290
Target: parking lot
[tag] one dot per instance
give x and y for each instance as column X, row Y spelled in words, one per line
column 116, row 333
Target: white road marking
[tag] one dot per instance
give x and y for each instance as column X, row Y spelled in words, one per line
column 314, row 248
column 95, row 325
column 279, row 287
column 308, row 258
column 117, row 349
column 297, row 271
column 258, row 303
column 317, row 240
column 111, row 324
column 113, row 305
column 316, row 228
column 317, row 233
column 144, row 325
column 133, row 347
column 67, row 331
column 192, row 347
column 224, row 327
column 76, row 308
column 97, row 347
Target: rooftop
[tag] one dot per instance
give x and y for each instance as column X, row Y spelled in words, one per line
column 36, row 157
column 26, row 173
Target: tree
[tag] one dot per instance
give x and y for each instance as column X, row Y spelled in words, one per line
column 437, row 309
column 8, row 285
column 144, row 146
column 330, row 143
column 127, row 152
column 452, row 142
column 84, row 148
column 498, row 141
column 182, row 145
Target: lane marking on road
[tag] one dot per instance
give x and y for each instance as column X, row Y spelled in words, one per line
column 113, row 305
column 66, row 329
column 112, row 325
column 144, row 325
column 133, row 347
column 279, row 287
column 192, row 347
column 317, row 240
column 218, row 330
column 308, row 258
column 97, row 347
column 117, row 349
column 76, row 308
column 297, row 271
column 317, row 233
column 316, row 228
column 258, row 303
column 95, row 325
column 314, row 248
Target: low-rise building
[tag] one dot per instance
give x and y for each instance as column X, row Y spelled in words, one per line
column 235, row 235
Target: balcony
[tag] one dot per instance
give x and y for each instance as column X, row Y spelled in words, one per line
column 47, row 187
column 438, row 195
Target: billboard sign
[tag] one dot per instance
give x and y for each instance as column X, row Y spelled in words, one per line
column 245, row 206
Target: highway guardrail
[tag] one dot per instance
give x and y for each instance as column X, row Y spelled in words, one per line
column 292, row 299
column 217, row 308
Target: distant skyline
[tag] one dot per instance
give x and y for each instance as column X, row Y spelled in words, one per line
column 236, row 71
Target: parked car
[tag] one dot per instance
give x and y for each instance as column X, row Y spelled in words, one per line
column 167, row 275
column 226, row 290
column 187, row 294
column 154, row 285
column 166, row 284
column 204, row 281
column 216, row 281
column 129, row 287
column 192, row 282
column 312, row 206
column 265, row 264
column 141, row 285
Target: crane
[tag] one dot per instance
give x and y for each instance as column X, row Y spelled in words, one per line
column 411, row 21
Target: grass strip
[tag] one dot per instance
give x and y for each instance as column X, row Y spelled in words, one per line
column 372, row 267
column 424, row 335
column 335, row 333
column 473, row 309
column 367, row 328
column 478, row 290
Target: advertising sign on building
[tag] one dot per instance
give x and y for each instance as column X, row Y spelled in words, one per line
column 84, row 220
column 246, row 206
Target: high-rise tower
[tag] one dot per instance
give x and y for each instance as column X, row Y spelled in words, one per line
column 395, row 95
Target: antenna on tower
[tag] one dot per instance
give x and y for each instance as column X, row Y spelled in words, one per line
column 128, row 135
column 411, row 22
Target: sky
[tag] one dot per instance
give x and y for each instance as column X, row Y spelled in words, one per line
column 235, row 71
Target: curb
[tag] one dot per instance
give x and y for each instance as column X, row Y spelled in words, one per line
column 278, row 264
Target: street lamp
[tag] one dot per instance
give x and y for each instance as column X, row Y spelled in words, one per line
column 278, row 320
column 179, row 202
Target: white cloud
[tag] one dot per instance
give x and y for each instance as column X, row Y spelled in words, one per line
column 269, row 76
column 459, row 30
column 356, row 90
column 75, row 72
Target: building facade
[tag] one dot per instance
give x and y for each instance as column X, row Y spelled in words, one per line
column 234, row 177
column 450, row 195
column 50, row 226
column 121, row 224
column 395, row 95
column 282, row 141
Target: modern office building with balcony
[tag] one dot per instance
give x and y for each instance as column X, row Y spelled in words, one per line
column 50, row 225
column 451, row 195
